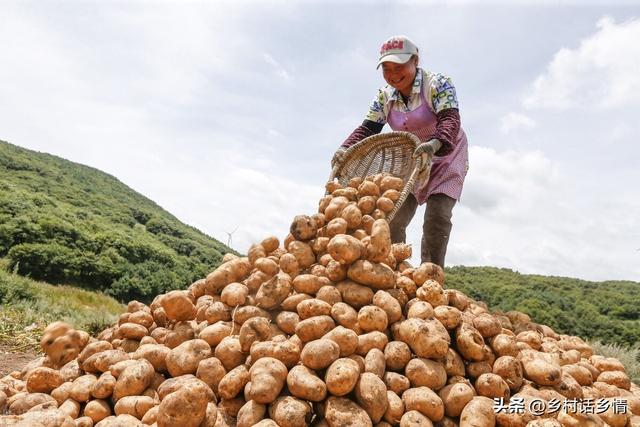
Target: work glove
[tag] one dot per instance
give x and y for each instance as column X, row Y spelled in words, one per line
column 426, row 150
column 338, row 157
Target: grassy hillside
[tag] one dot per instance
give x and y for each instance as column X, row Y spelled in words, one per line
column 605, row 311
column 26, row 307
column 66, row 223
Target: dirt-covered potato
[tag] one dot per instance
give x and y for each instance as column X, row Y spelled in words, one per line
column 268, row 376
column 233, row 382
column 303, row 228
column 254, row 329
column 185, row 407
column 341, row 377
column 290, row 411
column 425, row 401
column 427, row 338
column 314, row 327
column 133, row 380
column 345, row 248
column 372, row 318
column 341, row 411
column 478, row 412
column 43, row 380
column 426, row 372
column 305, row 384
column 372, row 274
column 455, row 397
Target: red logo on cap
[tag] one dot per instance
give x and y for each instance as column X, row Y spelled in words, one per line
column 391, row 44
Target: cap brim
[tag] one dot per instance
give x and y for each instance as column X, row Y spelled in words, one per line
column 398, row 58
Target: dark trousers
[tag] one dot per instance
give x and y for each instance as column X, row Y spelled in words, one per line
column 436, row 227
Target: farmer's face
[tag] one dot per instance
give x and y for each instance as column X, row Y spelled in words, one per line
column 400, row 76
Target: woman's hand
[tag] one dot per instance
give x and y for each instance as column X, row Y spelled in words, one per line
column 426, row 151
column 338, row 157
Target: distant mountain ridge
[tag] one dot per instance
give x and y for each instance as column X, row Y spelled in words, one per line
column 67, row 223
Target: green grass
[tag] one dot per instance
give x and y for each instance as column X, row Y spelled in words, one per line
column 27, row 306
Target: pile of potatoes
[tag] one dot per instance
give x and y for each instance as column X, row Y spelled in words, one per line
column 332, row 328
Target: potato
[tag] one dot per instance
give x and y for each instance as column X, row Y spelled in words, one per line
column 420, row 310
column 303, row 228
column 384, row 204
column 233, row 382
column 345, row 315
column 288, row 352
column 370, row 340
column 93, row 348
column 178, row 305
column 319, row 354
column 274, row 291
column 374, row 362
column 352, row 214
column 313, row 307
column 341, row 412
column 371, row 395
column 354, row 294
column 186, row 407
column 336, row 272
column 268, row 376
column 304, row 384
column 336, row 226
column 341, row 377
column 287, row 321
column 81, row 388
column 254, row 329
column 346, row 339
column 345, row 249
column 380, row 244
column 389, row 304
column 396, row 382
column 43, row 380
column 397, row 354
column 424, row 400
column 503, row 345
column 97, row 410
column 450, row 317
column 184, row 359
column 510, row 370
column 251, row 413
column 21, row 403
column 182, row 331
column 213, row 334
column 492, row 386
column 426, row 372
column 303, row 253
column 308, row 283
column 455, row 397
column 330, row 295
column 291, row 412
column 211, row 371
column 230, row 353
column 314, row 327
column 395, row 408
column 470, row 343
column 104, row 386
column 132, row 381
column 540, row 371
column 427, row 338
column 581, row 374
column 372, row 274
column 368, row 188
column 242, row 314
column 372, row 318
column 366, row 204
column 415, row 419
column 478, row 412
column 616, row 378
column 134, row 405
column 236, row 293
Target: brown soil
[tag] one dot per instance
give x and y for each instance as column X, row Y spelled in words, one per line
column 13, row 361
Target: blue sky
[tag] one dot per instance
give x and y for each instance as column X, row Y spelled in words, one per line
column 227, row 113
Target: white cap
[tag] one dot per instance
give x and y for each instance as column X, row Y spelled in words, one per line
column 398, row 49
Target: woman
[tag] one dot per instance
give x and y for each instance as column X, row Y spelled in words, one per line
column 425, row 104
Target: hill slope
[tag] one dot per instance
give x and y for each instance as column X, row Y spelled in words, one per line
column 66, row 223
column 606, row 311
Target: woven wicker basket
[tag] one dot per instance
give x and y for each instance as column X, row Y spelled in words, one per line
column 386, row 152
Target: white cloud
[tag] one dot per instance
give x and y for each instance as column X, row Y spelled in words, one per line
column 277, row 66
column 601, row 73
column 513, row 122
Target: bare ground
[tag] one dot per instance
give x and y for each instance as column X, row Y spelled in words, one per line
column 13, row 361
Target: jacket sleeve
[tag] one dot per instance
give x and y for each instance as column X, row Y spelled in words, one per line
column 367, row 128
column 447, row 130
